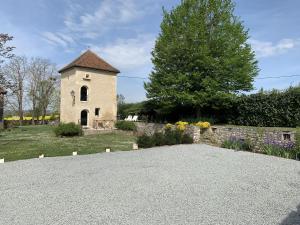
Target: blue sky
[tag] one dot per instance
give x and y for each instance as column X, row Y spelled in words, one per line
column 123, row 32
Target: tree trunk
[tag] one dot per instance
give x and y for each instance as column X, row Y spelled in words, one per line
column 21, row 113
column 33, row 111
column 44, row 115
column 20, row 100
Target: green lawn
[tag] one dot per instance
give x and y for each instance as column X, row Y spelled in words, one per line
column 31, row 141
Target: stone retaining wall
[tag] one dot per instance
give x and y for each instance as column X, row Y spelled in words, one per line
column 151, row 128
column 257, row 135
column 148, row 128
column 218, row 134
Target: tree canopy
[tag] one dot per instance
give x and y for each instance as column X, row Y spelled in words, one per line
column 201, row 57
column 5, row 53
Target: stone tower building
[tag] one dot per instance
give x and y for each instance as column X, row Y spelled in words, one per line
column 89, row 92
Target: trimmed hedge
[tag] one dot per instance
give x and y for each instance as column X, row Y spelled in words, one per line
column 68, row 130
column 268, row 109
column 126, row 125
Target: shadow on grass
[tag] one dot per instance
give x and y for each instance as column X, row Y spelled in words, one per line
column 293, row 218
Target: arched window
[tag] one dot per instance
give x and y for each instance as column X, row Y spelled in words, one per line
column 84, row 94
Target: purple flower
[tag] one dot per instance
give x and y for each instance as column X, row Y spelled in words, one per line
column 286, row 145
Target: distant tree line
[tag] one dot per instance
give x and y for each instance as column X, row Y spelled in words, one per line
column 32, row 84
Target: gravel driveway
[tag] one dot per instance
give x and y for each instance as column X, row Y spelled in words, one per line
column 195, row 184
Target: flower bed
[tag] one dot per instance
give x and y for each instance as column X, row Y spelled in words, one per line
column 285, row 149
column 238, row 143
column 179, row 133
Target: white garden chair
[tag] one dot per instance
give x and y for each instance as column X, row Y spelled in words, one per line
column 135, row 118
column 129, row 118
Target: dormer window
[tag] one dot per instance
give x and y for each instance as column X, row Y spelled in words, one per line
column 83, row 94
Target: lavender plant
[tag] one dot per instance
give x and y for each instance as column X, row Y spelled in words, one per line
column 238, row 143
column 285, row 149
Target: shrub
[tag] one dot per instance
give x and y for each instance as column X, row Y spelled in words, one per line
column 237, row 143
column 159, row 139
column 145, row 141
column 168, row 126
column 170, row 137
column 68, row 130
column 126, row 125
column 186, row 139
column 203, row 125
column 180, row 125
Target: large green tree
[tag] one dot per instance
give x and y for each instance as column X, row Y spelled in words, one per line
column 201, row 57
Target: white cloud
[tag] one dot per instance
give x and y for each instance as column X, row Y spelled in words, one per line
column 268, row 49
column 128, row 54
column 107, row 16
column 82, row 25
column 58, row 39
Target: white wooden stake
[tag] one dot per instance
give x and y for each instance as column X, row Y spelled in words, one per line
column 135, row 147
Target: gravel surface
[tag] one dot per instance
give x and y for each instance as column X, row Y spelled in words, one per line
column 195, row 184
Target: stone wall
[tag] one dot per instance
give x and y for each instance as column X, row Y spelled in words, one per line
column 148, row 128
column 151, row 128
column 257, row 135
column 216, row 135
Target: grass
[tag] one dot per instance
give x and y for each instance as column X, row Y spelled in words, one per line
column 31, row 141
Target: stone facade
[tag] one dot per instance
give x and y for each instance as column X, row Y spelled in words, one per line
column 88, row 95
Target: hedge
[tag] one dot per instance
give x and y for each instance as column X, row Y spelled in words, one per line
column 126, row 125
column 268, row 109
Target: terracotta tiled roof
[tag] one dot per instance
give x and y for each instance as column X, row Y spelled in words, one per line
column 92, row 61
